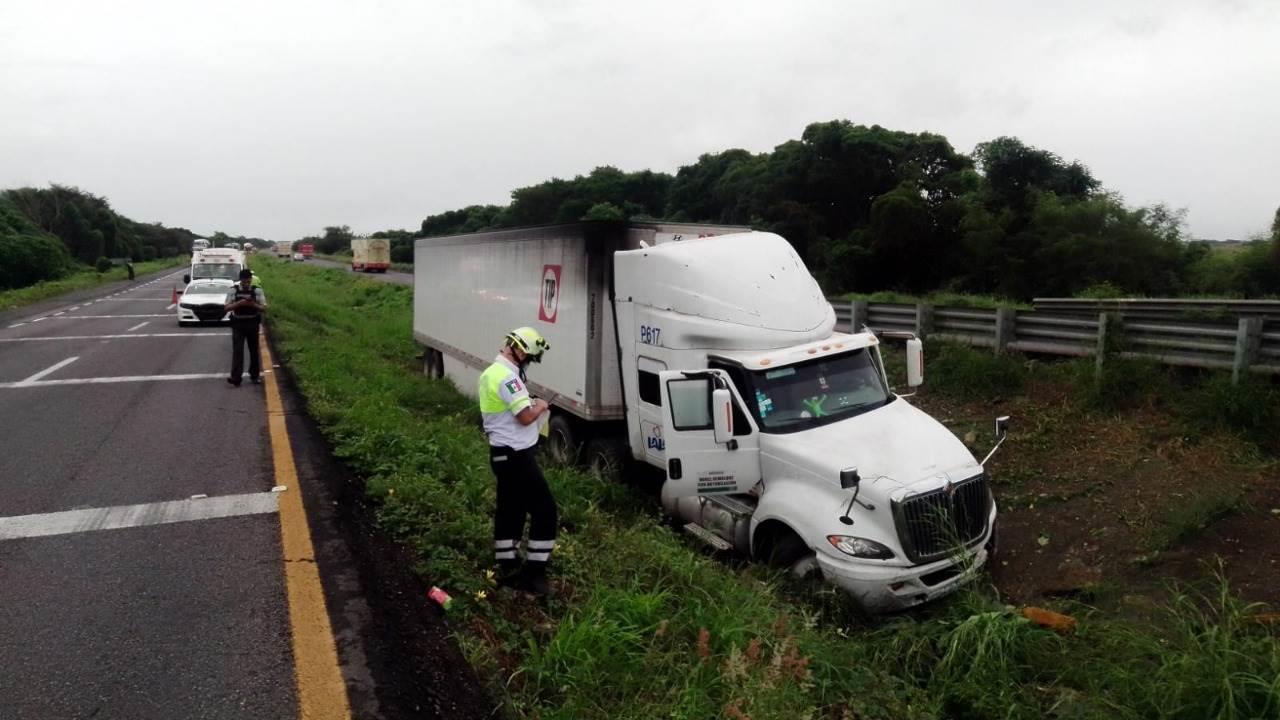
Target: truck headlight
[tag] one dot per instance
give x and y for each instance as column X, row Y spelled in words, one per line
column 860, row 547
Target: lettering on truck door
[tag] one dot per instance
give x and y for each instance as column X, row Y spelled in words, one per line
column 650, row 409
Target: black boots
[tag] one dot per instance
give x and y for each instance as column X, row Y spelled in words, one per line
column 534, row 579
column 530, row 578
column 509, row 574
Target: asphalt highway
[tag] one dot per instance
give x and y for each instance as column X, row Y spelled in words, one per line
column 122, row 596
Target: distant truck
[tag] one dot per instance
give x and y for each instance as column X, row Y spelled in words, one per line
column 710, row 353
column 370, row 254
column 216, row 264
column 307, row 250
column 284, row 249
column 199, row 244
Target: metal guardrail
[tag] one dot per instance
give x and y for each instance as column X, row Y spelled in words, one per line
column 1249, row 343
column 1162, row 308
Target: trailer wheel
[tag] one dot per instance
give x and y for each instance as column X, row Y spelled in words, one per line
column 562, row 442
column 433, row 363
column 604, row 457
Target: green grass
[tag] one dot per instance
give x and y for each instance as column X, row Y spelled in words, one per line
column 648, row 627
column 83, row 279
column 1188, row 517
column 346, row 260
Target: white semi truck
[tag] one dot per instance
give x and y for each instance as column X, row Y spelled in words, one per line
column 710, row 353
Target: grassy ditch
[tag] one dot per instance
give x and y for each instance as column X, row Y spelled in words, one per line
column 346, row 260
column 646, row 626
column 81, row 280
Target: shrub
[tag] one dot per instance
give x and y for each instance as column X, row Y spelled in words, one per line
column 402, row 253
column 103, row 264
column 29, row 259
column 1251, row 408
column 1124, row 383
column 967, row 373
column 1104, row 290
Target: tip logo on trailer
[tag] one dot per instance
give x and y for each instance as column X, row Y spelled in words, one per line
column 549, row 297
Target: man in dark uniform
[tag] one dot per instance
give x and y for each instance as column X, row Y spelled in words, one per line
column 246, row 304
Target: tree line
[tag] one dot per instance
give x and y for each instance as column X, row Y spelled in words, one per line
column 48, row 233
column 871, row 208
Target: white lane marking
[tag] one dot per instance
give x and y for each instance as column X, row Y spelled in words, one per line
column 64, row 312
column 135, row 327
column 51, row 369
column 15, row 325
column 127, row 516
column 106, row 380
column 109, row 317
column 171, row 306
column 114, row 337
column 39, row 319
column 73, row 308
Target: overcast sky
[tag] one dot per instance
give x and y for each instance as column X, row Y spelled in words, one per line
column 274, row 119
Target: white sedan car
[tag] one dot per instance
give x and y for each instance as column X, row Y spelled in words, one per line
column 203, row 302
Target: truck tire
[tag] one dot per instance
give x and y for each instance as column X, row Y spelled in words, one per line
column 562, row 444
column 433, row 363
column 604, row 457
column 790, row 553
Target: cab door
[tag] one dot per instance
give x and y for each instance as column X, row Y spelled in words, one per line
column 712, row 447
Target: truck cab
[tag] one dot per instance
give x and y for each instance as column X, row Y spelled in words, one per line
column 219, row 264
column 782, row 438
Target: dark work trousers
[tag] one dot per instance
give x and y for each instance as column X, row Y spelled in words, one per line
column 245, row 332
column 522, row 491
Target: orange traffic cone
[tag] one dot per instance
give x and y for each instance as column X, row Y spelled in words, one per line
column 175, row 297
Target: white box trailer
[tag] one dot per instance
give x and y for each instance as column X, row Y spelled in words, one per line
column 471, row 290
column 710, row 353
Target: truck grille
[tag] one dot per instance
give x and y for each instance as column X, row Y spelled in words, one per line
column 932, row 524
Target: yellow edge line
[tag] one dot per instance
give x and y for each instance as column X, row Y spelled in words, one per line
column 322, row 692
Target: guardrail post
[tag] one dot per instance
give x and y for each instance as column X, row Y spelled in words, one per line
column 1248, row 342
column 859, row 312
column 1005, row 319
column 924, row 320
column 1100, row 351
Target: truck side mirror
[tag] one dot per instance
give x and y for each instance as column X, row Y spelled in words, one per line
column 186, row 279
column 722, row 415
column 915, row 362
column 849, row 478
column 1002, row 426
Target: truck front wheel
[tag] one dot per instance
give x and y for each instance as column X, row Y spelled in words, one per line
column 789, row 552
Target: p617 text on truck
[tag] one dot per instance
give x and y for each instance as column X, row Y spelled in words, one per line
column 710, row 352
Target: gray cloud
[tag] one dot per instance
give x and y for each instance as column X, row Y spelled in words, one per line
column 277, row 118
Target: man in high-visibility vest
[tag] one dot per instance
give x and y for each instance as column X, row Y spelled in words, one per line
column 511, row 422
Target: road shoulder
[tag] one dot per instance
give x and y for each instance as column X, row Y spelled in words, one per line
column 394, row 647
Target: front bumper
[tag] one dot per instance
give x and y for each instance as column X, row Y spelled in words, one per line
column 886, row 589
column 199, row 315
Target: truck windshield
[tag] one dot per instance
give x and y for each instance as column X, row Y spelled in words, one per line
column 819, row 391
column 224, row 271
